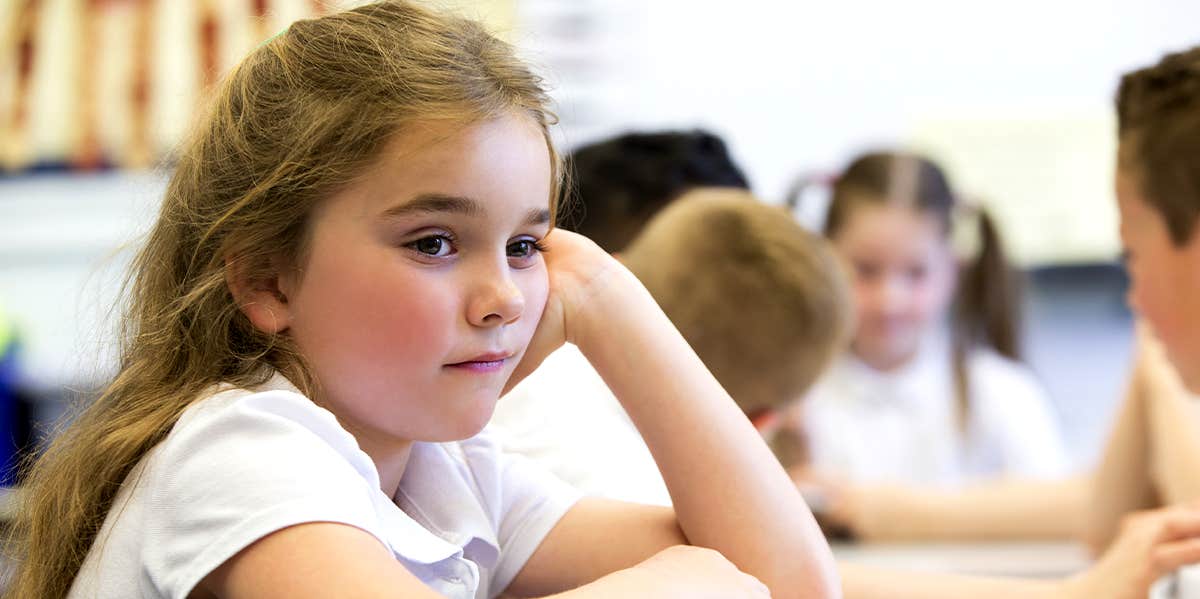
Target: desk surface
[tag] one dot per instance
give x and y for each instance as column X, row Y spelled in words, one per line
column 1028, row 559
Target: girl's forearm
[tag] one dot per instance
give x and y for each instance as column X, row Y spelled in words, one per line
column 988, row 511
column 729, row 492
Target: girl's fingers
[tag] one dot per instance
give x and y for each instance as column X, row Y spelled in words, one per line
column 1171, row 556
column 1179, row 523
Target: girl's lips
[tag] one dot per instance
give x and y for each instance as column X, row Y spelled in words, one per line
column 480, row 365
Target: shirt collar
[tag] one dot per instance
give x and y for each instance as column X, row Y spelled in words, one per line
column 437, row 491
column 441, row 514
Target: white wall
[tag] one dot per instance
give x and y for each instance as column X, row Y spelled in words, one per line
column 64, row 244
column 799, row 85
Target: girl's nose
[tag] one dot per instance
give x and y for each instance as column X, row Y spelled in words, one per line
column 496, row 302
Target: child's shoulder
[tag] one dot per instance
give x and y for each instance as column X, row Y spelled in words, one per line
column 268, row 427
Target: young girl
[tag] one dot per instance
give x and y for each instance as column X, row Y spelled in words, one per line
column 352, row 260
column 918, row 400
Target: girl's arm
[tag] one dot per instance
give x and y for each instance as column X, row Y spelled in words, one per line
column 729, row 491
column 1149, row 546
column 996, row 510
column 323, row 560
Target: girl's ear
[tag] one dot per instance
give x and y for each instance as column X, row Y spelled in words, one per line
column 260, row 297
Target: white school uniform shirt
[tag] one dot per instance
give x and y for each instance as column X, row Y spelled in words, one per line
column 902, row 426
column 564, row 417
column 242, row 464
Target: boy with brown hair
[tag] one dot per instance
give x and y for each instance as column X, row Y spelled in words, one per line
column 763, row 302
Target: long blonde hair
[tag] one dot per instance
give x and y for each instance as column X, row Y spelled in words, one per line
column 299, row 118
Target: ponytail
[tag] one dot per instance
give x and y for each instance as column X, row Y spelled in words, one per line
column 987, row 309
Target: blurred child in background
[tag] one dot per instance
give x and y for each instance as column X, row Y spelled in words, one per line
column 931, row 391
column 763, row 302
column 622, row 182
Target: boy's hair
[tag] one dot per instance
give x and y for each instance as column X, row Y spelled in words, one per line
column 762, row 301
column 1158, row 121
column 624, row 181
column 299, row 118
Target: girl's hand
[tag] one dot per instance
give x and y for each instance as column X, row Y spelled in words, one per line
column 687, row 572
column 580, row 273
column 836, row 503
column 1151, row 545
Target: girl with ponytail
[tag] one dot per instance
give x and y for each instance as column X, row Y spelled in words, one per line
column 932, row 391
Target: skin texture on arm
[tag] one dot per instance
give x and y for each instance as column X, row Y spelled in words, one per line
column 319, row 559
column 1153, row 455
column 1124, row 480
column 1174, row 433
column 991, row 511
column 597, row 536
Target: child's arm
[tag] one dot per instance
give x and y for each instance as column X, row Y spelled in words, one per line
column 1122, row 483
column 1149, row 546
column 323, row 560
column 994, row 510
column 729, row 492
column 1174, row 430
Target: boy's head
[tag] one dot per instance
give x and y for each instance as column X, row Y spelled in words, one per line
column 763, row 302
column 1158, row 194
column 624, row 181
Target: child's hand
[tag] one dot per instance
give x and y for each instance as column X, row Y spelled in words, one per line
column 1151, row 545
column 579, row 271
column 686, row 572
column 835, row 502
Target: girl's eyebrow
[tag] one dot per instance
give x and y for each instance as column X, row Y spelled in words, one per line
column 427, row 203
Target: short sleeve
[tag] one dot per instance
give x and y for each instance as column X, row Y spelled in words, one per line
column 232, row 472
column 525, row 500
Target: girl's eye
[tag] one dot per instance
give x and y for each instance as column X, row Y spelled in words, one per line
column 434, row 245
column 524, row 248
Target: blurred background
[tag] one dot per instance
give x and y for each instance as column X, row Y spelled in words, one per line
column 1014, row 98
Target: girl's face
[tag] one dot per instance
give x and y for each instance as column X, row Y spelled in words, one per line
column 1165, row 278
column 903, row 278
column 424, row 282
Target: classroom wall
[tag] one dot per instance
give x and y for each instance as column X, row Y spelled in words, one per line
column 1014, row 97
column 1021, row 90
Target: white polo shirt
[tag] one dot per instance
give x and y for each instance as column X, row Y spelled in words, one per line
column 902, row 427
column 565, row 418
column 242, row 464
